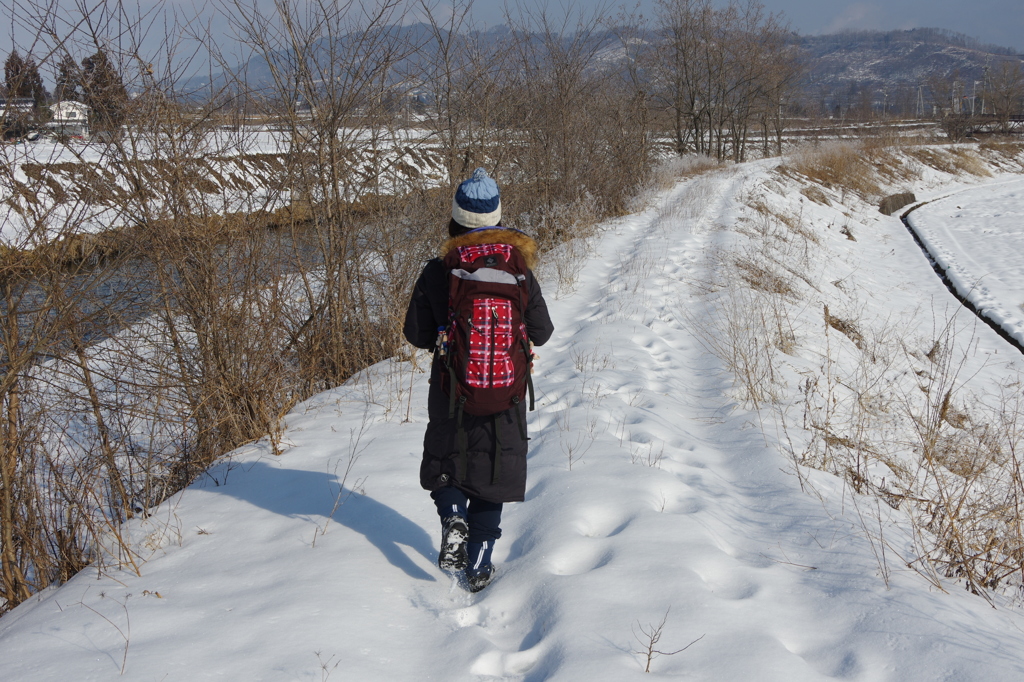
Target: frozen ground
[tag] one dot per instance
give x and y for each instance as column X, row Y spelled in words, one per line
column 977, row 236
column 46, row 189
column 652, row 495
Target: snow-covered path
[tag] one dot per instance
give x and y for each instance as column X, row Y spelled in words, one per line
column 650, row 497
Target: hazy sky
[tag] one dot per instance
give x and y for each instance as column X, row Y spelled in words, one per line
column 999, row 22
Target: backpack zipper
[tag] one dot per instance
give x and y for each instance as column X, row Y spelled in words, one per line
column 494, row 340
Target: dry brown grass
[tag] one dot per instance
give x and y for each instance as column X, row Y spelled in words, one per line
column 966, row 160
column 952, row 160
column 1007, row 148
column 933, row 157
column 866, row 167
column 793, row 223
column 760, row 277
column 667, row 173
column 845, row 327
column 894, row 422
column 816, row 195
column 837, row 165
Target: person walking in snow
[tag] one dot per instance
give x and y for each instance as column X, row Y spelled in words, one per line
column 481, row 310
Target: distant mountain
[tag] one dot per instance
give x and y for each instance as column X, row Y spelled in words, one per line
column 893, row 68
column 862, row 72
column 330, row 55
column 408, row 49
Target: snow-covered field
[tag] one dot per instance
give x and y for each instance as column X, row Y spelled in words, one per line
column 977, row 236
column 50, row 189
column 655, row 496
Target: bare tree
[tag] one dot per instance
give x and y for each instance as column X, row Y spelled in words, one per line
column 233, row 279
column 338, row 63
column 947, row 95
column 720, row 71
column 462, row 77
column 1006, row 92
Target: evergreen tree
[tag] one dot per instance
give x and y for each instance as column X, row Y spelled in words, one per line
column 103, row 91
column 68, row 80
column 14, row 67
column 22, row 79
column 34, row 87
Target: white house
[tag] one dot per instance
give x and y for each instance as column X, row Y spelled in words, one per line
column 69, row 118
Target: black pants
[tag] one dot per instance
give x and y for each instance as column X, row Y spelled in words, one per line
column 483, row 517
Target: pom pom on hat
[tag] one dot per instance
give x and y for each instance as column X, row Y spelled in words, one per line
column 477, row 203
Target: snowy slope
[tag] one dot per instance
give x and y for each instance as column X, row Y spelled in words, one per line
column 977, row 236
column 651, row 495
column 48, row 191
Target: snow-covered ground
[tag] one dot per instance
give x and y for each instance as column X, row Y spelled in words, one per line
column 654, row 497
column 49, row 189
column 977, row 236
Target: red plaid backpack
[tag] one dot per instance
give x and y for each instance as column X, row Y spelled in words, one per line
column 485, row 345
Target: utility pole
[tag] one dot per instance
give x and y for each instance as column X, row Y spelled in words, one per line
column 984, row 88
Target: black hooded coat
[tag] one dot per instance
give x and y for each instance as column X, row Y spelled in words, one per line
column 428, row 310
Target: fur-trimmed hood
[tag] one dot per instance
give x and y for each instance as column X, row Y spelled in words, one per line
column 496, row 235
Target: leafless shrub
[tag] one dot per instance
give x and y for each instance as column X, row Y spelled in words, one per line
column 648, row 639
column 574, row 440
column 247, row 278
column 767, row 218
column 120, row 400
column 733, row 329
column 354, row 451
column 946, row 460
column 966, row 491
column 845, row 327
column 124, row 632
column 721, row 71
column 564, row 235
column 760, row 276
column 582, row 138
column 647, row 457
column 325, row 665
column 816, row 195
column 668, row 172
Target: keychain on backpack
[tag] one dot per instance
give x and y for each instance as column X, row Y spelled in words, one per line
column 442, row 341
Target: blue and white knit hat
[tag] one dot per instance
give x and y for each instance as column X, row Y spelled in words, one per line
column 476, row 203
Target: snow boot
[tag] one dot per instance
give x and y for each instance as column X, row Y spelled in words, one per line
column 453, row 556
column 480, row 570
